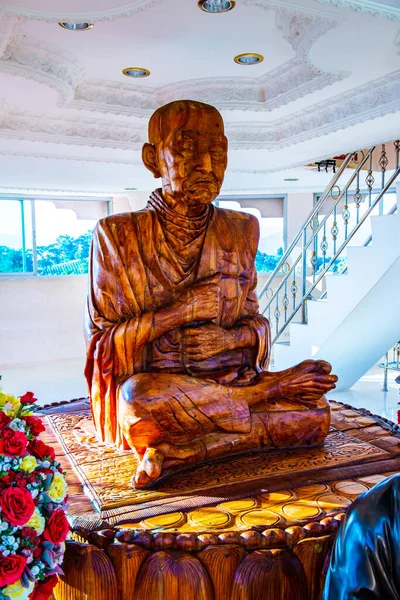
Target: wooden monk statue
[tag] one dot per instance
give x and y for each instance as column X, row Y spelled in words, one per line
column 177, row 351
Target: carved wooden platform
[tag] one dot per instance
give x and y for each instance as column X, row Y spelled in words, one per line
column 266, row 545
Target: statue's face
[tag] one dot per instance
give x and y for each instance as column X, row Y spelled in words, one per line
column 192, row 157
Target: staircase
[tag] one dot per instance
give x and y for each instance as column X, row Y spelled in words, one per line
column 335, row 293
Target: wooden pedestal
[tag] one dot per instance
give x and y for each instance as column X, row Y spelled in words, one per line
column 269, row 545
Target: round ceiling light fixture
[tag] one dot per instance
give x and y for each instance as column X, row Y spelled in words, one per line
column 76, row 26
column 250, row 58
column 136, row 72
column 216, row 6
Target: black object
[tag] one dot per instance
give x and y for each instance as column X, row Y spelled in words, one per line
column 365, row 562
column 325, row 164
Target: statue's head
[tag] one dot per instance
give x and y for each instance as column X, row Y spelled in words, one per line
column 188, row 149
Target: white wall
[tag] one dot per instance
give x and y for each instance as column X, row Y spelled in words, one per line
column 298, row 207
column 41, row 336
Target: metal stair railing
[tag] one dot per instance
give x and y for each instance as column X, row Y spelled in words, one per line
column 344, row 269
column 309, row 258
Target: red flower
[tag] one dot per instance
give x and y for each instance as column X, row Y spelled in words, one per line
column 35, row 424
column 11, row 568
column 28, row 398
column 41, row 450
column 37, row 553
column 14, row 445
column 57, row 527
column 17, row 505
column 8, row 433
column 43, row 589
column 8, row 479
column 4, row 420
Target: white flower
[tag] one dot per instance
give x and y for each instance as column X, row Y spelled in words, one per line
column 7, row 459
column 46, row 464
column 7, row 467
column 4, row 526
column 35, row 570
column 6, row 552
column 17, row 425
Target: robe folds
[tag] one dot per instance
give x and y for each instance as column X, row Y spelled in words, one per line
column 139, row 264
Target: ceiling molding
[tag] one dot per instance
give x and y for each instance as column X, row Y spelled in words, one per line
column 284, row 84
column 397, row 42
column 294, row 79
column 299, row 27
column 366, row 102
column 137, row 6
column 377, row 9
column 124, row 10
column 61, row 191
column 369, row 101
column 75, row 132
column 46, row 63
column 69, row 157
column 9, row 28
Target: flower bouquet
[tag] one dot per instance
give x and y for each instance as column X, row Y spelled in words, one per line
column 33, row 501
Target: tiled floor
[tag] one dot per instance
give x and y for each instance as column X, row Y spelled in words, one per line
column 367, row 393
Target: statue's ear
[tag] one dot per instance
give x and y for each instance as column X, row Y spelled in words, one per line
column 149, row 158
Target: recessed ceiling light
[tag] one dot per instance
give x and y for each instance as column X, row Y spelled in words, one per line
column 136, row 72
column 250, row 58
column 76, row 26
column 216, row 6
column 291, row 179
column 130, row 189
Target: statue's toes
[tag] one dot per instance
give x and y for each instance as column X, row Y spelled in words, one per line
column 152, row 462
column 307, row 366
column 323, row 367
column 141, row 479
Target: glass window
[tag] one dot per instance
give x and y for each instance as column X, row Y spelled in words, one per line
column 270, row 215
column 47, row 237
column 16, row 236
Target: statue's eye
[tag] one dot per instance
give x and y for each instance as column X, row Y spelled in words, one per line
column 187, row 144
column 217, row 151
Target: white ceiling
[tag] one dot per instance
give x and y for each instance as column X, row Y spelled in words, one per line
column 70, row 121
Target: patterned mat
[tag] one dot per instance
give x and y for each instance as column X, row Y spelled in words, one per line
column 105, row 473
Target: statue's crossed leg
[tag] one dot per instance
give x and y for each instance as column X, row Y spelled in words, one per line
column 174, row 420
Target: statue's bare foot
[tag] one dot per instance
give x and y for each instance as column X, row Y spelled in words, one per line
column 297, row 383
column 163, row 457
column 149, row 468
column 307, row 384
column 308, row 366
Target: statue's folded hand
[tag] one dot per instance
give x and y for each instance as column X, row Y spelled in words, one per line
column 200, row 302
column 204, row 341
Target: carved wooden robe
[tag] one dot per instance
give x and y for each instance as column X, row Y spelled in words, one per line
column 141, row 262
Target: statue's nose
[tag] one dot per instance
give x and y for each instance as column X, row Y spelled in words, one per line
column 204, row 162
